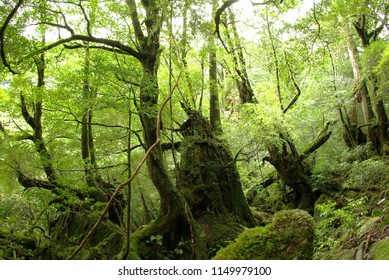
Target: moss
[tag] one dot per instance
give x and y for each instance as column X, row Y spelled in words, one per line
column 367, row 175
column 262, row 218
column 289, row 236
column 380, row 250
column 208, row 175
column 217, row 231
column 335, row 254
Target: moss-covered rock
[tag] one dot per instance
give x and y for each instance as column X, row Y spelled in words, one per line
column 380, row 250
column 289, row 236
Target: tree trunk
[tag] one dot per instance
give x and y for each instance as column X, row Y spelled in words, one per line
column 208, row 173
column 382, row 118
column 360, row 92
column 293, row 173
column 214, row 103
column 361, row 26
column 235, row 48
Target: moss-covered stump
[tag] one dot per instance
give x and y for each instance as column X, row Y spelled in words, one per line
column 289, row 236
column 208, row 174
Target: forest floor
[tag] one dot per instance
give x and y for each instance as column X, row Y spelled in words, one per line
column 354, row 223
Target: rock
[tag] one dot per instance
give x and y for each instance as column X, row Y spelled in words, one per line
column 289, row 236
column 380, row 250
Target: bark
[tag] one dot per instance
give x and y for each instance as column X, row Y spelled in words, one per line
column 367, row 37
column 360, row 92
column 214, row 103
column 209, row 175
column 292, row 170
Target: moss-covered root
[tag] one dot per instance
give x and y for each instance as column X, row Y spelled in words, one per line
column 289, row 236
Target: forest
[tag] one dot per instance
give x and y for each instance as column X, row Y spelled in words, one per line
column 194, row 130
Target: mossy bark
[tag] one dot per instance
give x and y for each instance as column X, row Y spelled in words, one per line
column 208, row 174
column 295, row 174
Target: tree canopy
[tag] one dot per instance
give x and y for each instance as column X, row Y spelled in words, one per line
column 162, row 129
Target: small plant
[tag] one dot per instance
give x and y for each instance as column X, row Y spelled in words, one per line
column 341, row 222
column 156, row 240
column 367, row 174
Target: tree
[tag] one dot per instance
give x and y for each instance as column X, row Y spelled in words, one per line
column 174, row 221
column 88, row 102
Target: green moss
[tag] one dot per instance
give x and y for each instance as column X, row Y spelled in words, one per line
column 335, row 254
column 262, row 218
column 217, row 231
column 289, row 236
column 380, row 250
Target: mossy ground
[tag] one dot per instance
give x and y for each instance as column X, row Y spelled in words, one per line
column 353, row 224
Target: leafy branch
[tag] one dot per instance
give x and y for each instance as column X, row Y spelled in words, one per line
column 2, row 37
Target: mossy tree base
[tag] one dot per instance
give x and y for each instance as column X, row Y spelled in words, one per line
column 209, row 186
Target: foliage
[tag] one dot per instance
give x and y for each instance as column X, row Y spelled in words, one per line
column 368, row 174
column 334, row 224
column 85, row 80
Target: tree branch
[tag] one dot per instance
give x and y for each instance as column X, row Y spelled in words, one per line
column 135, row 20
column 322, row 137
column 217, row 18
column 88, row 24
column 120, row 47
column 296, row 86
column 2, row 37
column 265, row 3
column 26, row 115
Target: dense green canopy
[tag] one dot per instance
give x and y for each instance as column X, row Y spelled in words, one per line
column 163, row 129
